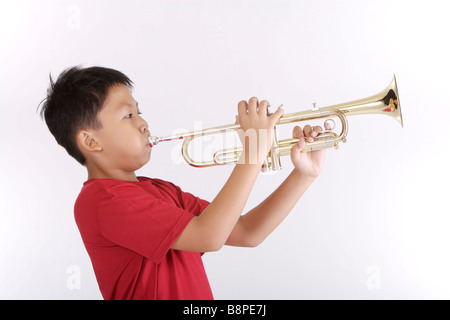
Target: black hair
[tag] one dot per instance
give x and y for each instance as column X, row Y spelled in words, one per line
column 74, row 101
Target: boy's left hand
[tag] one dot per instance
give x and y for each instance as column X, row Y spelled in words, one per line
column 307, row 163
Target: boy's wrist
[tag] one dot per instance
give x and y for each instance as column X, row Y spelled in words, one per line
column 301, row 176
column 251, row 159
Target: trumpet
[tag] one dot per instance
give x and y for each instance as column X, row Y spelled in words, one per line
column 386, row 102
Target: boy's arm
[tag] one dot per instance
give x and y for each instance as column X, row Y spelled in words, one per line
column 253, row 227
column 210, row 230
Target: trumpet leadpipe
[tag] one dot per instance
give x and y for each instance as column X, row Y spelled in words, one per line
column 153, row 140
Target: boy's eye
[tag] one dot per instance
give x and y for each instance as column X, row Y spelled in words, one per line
column 129, row 116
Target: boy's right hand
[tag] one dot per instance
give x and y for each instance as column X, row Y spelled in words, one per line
column 257, row 129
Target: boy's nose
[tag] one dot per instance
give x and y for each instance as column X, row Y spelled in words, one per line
column 144, row 127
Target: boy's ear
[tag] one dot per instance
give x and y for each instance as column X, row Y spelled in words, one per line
column 87, row 142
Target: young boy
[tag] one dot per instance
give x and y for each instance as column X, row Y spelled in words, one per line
column 145, row 237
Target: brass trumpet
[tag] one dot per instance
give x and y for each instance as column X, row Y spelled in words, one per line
column 386, row 102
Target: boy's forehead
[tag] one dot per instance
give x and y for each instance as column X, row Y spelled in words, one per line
column 118, row 96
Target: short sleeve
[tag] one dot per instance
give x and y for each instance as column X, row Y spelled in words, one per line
column 132, row 219
column 188, row 201
column 192, row 203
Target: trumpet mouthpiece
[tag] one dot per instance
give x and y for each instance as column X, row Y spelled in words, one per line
column 153, row 141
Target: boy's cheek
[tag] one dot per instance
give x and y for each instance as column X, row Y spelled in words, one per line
column 113, row 139
column 125, row 147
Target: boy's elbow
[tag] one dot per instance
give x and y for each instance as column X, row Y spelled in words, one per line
column 252, row 243
column 246, row 242
column 253, row 240
column 214, row 244
column 214, row 247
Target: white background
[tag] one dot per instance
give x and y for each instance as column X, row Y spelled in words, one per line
column 375, row 223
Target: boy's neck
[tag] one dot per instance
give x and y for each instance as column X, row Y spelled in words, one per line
column 97, row 173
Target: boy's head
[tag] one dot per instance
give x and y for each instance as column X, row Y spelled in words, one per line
column 91, row 111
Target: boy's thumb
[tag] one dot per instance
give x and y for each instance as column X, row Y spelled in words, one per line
column 279, row 113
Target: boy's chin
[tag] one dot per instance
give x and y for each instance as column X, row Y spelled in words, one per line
column 147, row 160
column 136, row 165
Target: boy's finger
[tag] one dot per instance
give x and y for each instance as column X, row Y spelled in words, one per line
column 307, row 130
column 262, row 108
column 277, row 115
column 316, row 131
column 297, row 132
column 252, row 105
column 242, row 107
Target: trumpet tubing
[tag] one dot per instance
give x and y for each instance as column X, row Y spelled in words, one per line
column 386, row 102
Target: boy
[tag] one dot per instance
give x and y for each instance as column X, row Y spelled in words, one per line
column 145, row 237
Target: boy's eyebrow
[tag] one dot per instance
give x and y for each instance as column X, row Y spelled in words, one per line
column 126, row 104
column 131, row 105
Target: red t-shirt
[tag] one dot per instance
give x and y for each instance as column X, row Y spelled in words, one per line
column 128, row 229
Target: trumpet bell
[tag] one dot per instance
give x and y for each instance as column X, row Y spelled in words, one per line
column 386, row 102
